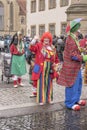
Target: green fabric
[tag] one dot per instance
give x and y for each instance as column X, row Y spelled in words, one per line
column 20, row 47
column 18, row 66
column 84, row 57
column 75, row 27
column 76, row 41
column 72, row 23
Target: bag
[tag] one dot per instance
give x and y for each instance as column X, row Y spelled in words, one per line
column 36, row 68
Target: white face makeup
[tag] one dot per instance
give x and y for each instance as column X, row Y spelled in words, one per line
column 46, row 41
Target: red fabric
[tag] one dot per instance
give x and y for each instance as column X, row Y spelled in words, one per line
column 83, row 43
column 70, row 67
column 19, row 80
column 55, row 75
column 39, row 59
column 15, row 82
column 56, row 59
column 35, row 93
column 35, row 83
column 68, row 28
column 14, row 50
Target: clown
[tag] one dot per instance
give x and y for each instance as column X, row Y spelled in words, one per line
column 43, row 72
column 18, row 66
column 83, row 44
column 70, row 75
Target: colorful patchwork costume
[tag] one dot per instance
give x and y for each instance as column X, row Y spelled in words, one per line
column 43, row 71
column 70, row 75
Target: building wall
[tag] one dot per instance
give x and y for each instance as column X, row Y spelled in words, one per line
column 16, row 18
column 56, row 15
column 78, row 1
column 78, row 9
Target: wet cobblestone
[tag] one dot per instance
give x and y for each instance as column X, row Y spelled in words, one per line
column 59, row 119
column 10, row 96
column 55, row 120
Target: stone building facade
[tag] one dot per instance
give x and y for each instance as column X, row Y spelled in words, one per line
column 46, row 15
column 52, row 15
column 78, row 9
column 12, row 16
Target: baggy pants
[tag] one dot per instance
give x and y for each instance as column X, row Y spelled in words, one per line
column 73, row 93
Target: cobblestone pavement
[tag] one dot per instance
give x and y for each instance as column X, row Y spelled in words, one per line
column 34, row 117
column 62, row 119
column 16, row 97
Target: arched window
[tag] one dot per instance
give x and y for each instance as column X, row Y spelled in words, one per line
column 11, row 16
column 1, row 16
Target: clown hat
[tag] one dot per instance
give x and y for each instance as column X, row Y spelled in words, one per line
column 74, row 25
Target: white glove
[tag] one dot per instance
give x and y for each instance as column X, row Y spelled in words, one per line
column 33, row 42
column 36, row 37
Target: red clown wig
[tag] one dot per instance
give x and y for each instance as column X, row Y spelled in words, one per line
column 47, row 35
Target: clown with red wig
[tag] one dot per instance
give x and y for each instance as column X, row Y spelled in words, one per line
column 43, row 71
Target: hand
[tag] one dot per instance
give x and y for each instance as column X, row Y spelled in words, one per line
column 36, row 37
column 33, row 42
column 84, row 58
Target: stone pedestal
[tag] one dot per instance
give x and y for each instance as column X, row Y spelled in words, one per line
column 78, row 10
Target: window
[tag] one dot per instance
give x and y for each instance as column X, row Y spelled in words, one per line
column 41, row 5
column 52, row 4
column 63, row 28
column 22, row 20
column 64, row 3
column 33, row 6
column 33, row 31
column 41, row 29
column 52, row 28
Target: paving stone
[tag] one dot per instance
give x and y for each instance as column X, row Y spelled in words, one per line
column 20, row 112
column 54, row 120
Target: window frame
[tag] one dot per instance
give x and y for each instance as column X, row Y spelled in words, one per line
column 32, row 10
column 41, row 9
column 39, row 29
column 50, row 24
column 51, row 6
column 32, row 35
column 62, row 23
column 64, row 3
